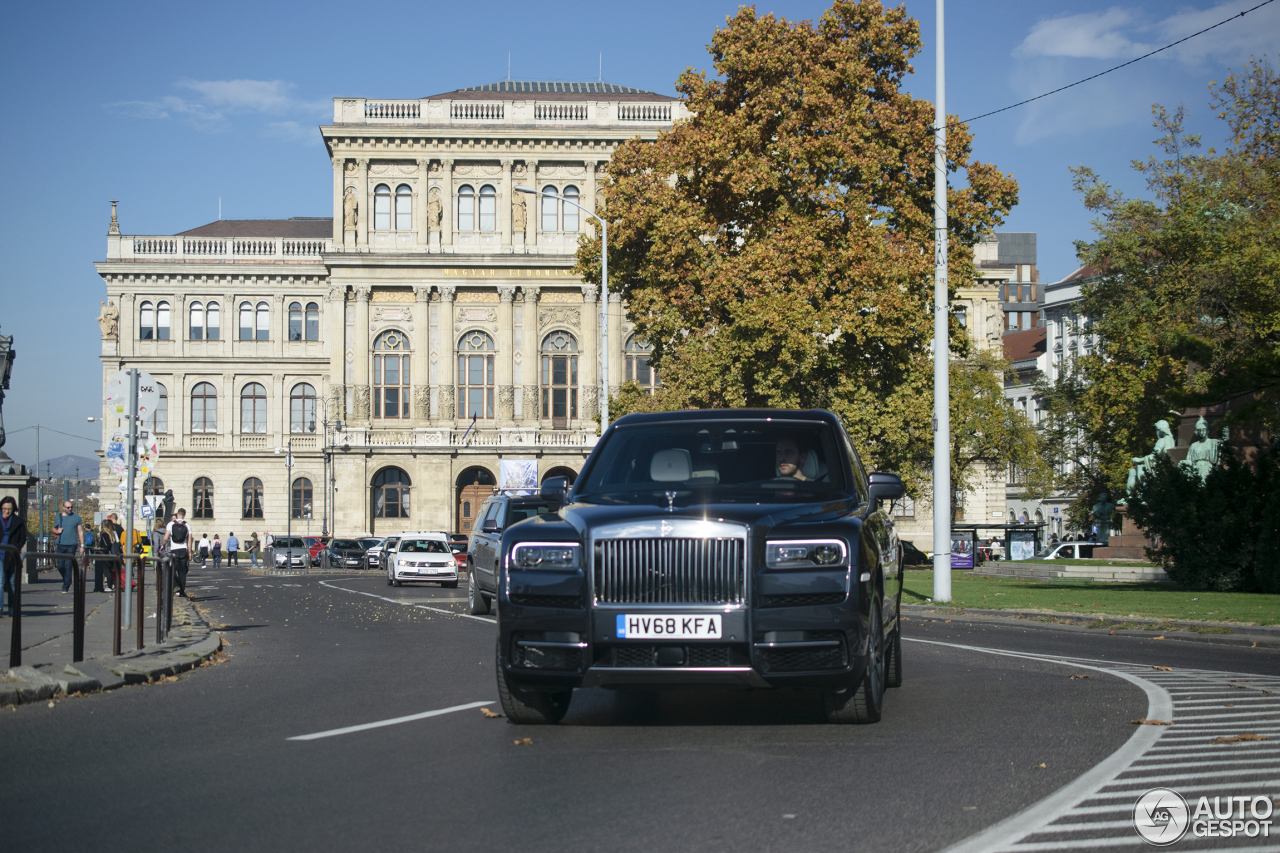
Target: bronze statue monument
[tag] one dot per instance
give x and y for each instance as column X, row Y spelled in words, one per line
column 1142, row 465
column 1205, row 453
column 1101, row 513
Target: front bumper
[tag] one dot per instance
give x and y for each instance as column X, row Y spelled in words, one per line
column 424, row 575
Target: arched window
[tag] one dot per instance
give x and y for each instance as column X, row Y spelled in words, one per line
column 404, row 208
column 300, row 504
column 146, row 322
column 313, row 321
column 251, row 502
column 159, row 420
column 212, row 322
column 475, row 375
column 382, row 208
column 391, row 375
column 246, row 321
column 204, row 408
column 295, row 321
column 391, row 494
column 488, row 208
column 202, row 498
column 570, row 214
column 153, row 486
column 638, row 369
column 302, row 408
column 550, row 201
column 197, row 321
column 559, row 378
column 253, row 409
column 264, row 321
column 162, row 321
column 466, row 208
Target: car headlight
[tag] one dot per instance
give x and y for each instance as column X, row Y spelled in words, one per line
column 806, row 554
column 552, row 556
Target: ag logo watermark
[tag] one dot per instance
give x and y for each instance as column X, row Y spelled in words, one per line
column 1161, row 816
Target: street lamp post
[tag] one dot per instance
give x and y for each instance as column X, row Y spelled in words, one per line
column 604, row 300
column 329, row 473
column 288, row 467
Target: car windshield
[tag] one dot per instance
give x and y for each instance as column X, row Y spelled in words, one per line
column 370, row 543
column 346, row 545
column 1048, row 551
column 424, row 546
column 287, row 542
column 749, row 461
column 520, row 513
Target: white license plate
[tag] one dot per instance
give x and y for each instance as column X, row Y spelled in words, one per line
column 661, row 626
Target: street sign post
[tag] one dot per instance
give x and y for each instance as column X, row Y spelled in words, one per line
column 132, row 395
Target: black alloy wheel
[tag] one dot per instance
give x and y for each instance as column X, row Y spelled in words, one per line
column 864, row 703
column 893, row 657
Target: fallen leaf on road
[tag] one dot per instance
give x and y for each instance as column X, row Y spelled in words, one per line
column 1238, row 738
column 1163, row 668
column 524, row 741
column 1143, row 721
column 948, row 620
column 1112, row 633
column 1161, row 637
column 491, row 714
column 1079, row 676
column 50, row 703
column 1040, row 766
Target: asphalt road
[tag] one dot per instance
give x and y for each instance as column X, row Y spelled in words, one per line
column 206, row 762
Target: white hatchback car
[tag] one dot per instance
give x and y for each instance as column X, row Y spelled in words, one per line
column 421, row 557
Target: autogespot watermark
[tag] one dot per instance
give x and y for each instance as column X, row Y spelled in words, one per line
column 1161, row 816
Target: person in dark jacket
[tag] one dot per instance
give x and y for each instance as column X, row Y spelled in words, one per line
column 13, row 531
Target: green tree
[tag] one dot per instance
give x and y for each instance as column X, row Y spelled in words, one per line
column 776, row 248
column 1188, row 306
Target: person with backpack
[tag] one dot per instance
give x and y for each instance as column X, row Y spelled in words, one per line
column 253, row 545
column 177, row 535
column 217, row 552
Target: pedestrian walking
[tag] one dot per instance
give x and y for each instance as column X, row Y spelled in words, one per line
column 13, row 532
column 177, row 535
column 233, row 550
column 268, row 548
column 253, row 545
column 217, row 552
column 69, row 530
column 203, row 548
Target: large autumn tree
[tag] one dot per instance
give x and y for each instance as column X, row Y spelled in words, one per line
column 1188, row 307
column 776, row 248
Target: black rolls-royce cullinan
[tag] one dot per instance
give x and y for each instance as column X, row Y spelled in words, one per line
column 706, row 549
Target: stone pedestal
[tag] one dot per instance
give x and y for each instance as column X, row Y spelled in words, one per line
column 1128, row 541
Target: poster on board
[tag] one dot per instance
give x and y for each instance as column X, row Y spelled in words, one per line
column 962, row 549
column 1022, row 544
column 518, row 475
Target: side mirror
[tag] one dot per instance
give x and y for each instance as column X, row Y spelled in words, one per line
column 491, row 528
column 885, row 486
column 554, row 489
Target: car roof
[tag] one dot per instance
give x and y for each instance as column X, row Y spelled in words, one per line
column 425, row 534
column 639, row 418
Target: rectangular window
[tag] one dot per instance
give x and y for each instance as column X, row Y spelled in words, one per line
column 313, row 324
column 466, row 212
column 246, row 322
column 213, row 318
column 264, row 324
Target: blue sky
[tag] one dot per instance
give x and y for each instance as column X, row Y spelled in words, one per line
column 168, row 107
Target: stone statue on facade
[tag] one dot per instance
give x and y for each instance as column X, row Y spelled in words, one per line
column 1205, row 453
column 350, row 209
column 1142, row 465
column 1101, row 513
column 435, row 210
column 519, row 214
column 109, row 319
column 7, row 355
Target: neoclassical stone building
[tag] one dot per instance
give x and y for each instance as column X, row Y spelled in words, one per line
column 405, row 347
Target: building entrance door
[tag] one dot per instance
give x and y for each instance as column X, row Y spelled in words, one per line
column 474, row 486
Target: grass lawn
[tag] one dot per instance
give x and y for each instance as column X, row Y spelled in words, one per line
column 1139, row 600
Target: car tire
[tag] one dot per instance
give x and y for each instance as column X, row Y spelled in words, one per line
column 893, row 658
column 477, row 604
column 528, row 707
column 863, row 704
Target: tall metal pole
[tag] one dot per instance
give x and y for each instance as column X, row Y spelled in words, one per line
column 604, row 324
column 941, row 346
column 131, row 457
column 288, row 467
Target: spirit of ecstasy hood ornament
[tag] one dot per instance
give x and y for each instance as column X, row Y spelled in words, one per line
column 671, row 501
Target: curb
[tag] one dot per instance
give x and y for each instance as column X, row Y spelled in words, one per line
column 1261, row 636
column 191, row 642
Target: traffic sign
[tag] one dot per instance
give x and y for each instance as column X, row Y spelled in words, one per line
column 117, row 394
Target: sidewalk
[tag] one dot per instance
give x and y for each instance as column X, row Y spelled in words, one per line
column 47, row 643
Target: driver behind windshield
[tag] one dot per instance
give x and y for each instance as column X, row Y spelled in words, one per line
column 790, row 458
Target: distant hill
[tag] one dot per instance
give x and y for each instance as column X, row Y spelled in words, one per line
column 65, row 466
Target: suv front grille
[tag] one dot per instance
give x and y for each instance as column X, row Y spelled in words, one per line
column 699, row 654
column 670, row 571
column 802, row 599
column 805, row 659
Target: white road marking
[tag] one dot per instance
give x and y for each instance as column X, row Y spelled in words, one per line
column 407, row 603
column 395, row 721
column 1124, row 775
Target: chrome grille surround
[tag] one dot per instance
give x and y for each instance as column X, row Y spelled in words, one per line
column 670, row 562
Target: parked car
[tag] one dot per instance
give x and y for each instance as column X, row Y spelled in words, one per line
column 388, row 546
column 496, row 514
column 290, row 552
column 373, row 553
column 708, row 549
column 316, row 544
column 1068, row 551
column 460, row 544
column 344, row 554
column 419, row 557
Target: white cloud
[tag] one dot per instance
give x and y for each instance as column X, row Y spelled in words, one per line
column 216, row 104
column 1232, row 43
column 1091, row 35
